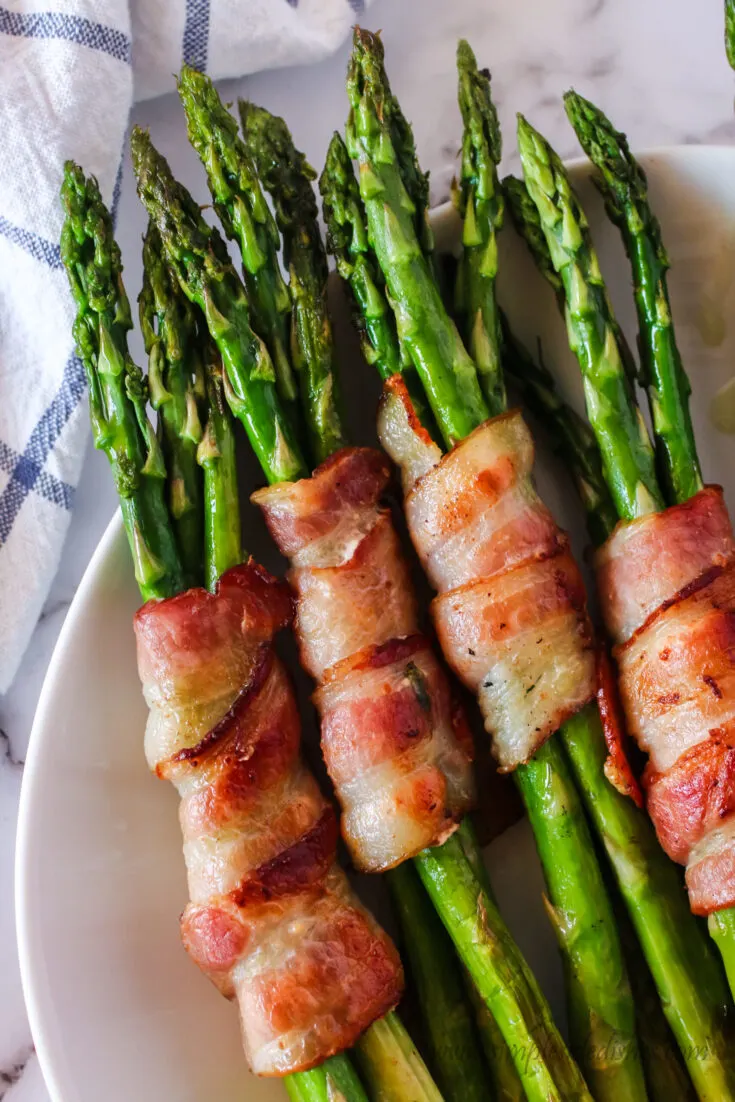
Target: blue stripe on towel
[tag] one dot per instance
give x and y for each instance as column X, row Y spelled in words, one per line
column 196, row 34
column 39, row 247
column 71, row 28
column 27, row 472
column 47, row 485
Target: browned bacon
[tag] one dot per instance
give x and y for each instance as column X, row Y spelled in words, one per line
column 393, row 740
column 511, row 613
column 272, row 920
column 667, row 584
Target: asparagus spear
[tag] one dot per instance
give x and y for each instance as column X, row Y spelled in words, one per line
column 245, row 216
column 571, row 435
column 117, row 389
column 730, row 31
column 199, row 260
column 435, row 974
column 526, row 220
column 506, row 1081
column 332, row 1081
column 217, row 458
column 168, row 324
column 431, row 338
column 697, row 1011
column 627, row 453
column 287, row 176
column 347, row 241
column 481, row 206
column 624, row 187
column 601, row 1001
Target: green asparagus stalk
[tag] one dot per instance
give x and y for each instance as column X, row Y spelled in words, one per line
column 730, row 31
column 431, row 338
column 721, row 926
column 392, row 1065
column 456, row 1055
column 506, row 1080
column 573, row 876
column 600, row 1005
column 245, row 216
column 199, row 259
column 572, row 438
column 624, row 187
column 217, row 457
column 117, row 389
column 347, row 241
column 499, row 971
column 168, row 325
column 525, row 218
column 627, row 453
column 333, row 1081
column 685, row 971
column 481, row 205
column 688, row 979
column 287, row 176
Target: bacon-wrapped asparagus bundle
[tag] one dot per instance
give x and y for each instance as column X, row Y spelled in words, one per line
column 510, row 596
column 663, row 572
column 272, row 920
column 484, row 943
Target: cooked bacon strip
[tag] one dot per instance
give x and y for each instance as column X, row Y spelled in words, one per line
column 648, row 562
column 617, row 766
column 511, row 613
column 676, row 663
column 272, row 920
column 393, row 740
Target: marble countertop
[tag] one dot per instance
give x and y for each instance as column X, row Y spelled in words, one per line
column 659, row 73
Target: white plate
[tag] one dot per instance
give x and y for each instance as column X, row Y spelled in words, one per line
column 117, row 1009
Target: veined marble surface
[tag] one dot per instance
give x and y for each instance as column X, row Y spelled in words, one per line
column 657, row 67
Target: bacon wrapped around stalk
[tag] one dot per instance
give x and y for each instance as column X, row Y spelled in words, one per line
column 396, row 745
column 272, row 920
column 511, row 612
column 667, row 589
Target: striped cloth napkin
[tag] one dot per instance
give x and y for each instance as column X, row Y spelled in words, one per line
column 68, row 77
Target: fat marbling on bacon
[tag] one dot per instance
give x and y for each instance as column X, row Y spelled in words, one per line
column 667, row 590
column 510, row 612
column 394, row 741
column 271, row 919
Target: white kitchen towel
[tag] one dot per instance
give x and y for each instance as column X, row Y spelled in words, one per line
column 68, row 77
